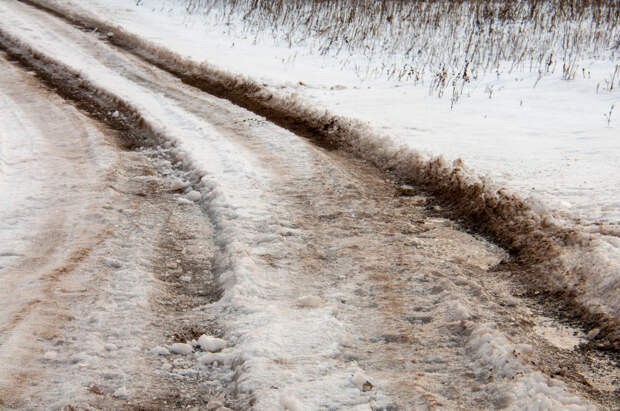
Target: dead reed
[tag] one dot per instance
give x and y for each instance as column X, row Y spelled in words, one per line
column 443, row 44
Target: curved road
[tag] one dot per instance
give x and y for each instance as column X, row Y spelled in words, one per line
column 331, row 287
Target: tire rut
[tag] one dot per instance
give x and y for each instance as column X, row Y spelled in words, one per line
column 91, row 295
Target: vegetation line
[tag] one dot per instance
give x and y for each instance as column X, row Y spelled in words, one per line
column 444, row 45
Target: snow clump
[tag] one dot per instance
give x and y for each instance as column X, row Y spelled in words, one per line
column 309, row 301
column 50, row 355
column 219, row 358
column 184, row 201
column 211, row 344
column 290, row 403
column 361, row 381
column 181, row 348
column 176, row 184
column 193, row 195
column 121, row 393
column 110, row 347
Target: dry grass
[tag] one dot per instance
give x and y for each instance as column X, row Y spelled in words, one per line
column 440, row 43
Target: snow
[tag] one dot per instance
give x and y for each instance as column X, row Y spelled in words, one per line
column 181, row 348
column 110, row 347
column 361, row 381
column 212, row 344
column 290, row 403
column 546, row 139
column 256, row 304
column 218, row 359
column 159, row 350
column 184, row 201
column 193, row 195
column 551, row 141
column 50, row 355
column 214, row 405
column 523, row 388
column 176, row 184
column 121, row 393
column 458, row 312
column 309, row 301
column 273, row 339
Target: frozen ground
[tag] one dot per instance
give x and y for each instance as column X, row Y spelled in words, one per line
column 548, row 139
column 336, row 289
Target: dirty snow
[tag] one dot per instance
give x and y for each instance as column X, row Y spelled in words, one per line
column 547, row 139
column 278, row 334
column 551, row 141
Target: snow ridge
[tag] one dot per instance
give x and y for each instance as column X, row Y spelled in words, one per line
column 522, row 388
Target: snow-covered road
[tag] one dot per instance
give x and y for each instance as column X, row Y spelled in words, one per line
column 336, row 288
column 88, row 233
column 49, row 190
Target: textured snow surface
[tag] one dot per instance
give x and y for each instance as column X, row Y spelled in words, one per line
column 212, row 344
column 502, row 360
column 286, row 342
column 256, row 300
column 550, row 142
